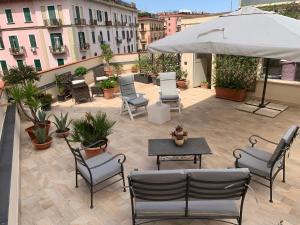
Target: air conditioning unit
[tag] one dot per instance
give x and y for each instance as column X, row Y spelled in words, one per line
column 33, row 49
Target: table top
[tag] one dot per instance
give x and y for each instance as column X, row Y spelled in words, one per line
column 167, row 147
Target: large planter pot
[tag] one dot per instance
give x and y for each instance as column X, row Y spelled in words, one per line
column 91, row 152
column 181, row 84
column 109, row 93
column 62, row 134
column 46, row 125
column 42, row 146
column 143, row 78
column 237, row 95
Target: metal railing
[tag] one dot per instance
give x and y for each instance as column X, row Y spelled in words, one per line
column 58, row 50
column 17, row 51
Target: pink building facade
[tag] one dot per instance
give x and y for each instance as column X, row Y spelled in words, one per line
column 172, row 22
column 47, row 33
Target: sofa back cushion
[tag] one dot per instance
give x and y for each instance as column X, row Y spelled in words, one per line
column 127, row 86
column 165, row 185
column 213, row 184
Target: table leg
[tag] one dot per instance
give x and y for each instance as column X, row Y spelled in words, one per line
column 200, row 157
column 158, row 162
column 195, row 159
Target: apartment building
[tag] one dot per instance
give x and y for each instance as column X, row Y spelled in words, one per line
column 150, row 29
column 50, row 33
column 264, row 2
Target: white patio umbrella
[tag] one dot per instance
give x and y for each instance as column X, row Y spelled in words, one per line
column 246, row 32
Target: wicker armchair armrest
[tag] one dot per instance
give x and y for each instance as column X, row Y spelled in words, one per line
column 121, row 160
column 237, row 154
column 253, row 140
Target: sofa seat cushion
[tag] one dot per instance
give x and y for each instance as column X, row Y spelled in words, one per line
column 160, row 209
column 255, row 165
column 169, row 97
column 140, row 101
column 101, row 78
column 103, row 172
column 213, row 208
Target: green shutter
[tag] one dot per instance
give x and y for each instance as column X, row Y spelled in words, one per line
column 77, row 12
column 3, row 66
column 53, row 36
column 1, row 43
column 60, row 62
column 51, row 12
column 37, row 64
column 27, row 15
column 93, row 37
column 20, row 63
column 9, row 16
column 14, row 43
column 32, row 40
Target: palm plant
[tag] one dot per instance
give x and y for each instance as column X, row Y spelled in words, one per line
column 62, row 123
column 92, row 129
column 21, row 75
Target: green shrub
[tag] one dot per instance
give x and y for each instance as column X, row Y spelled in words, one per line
column 107, row 84
column 80, row 71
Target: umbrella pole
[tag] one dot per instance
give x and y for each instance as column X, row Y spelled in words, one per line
column 262, row 103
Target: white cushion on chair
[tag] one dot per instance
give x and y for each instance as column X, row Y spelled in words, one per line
column 101, row 78
column 78, row 81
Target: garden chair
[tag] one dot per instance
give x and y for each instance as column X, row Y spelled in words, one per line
column 262, row 163
column 131, row 100
column 98, row 169
column 99, row 74
column 168, row 92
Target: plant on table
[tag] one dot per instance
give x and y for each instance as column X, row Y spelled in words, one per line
column 42, row 139
column 92, row 132
column 62, row 124
column 179, row 136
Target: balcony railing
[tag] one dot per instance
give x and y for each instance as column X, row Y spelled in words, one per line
column 17, row 51
column 84, row 46
column 128, row 39
column 108, row 23
column 123, row 23
column 93, row 22
column 118, row 23
column 118, row 40
column 58, row 50
column 80, row 22
column 52, row 23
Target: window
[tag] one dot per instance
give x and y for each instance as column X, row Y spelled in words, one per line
column 108, row 35
column 124, row 49
column 131, row 48
column 3, row 66
column 91, row 15
column 99, row 15
column 56, row 40
column 128, row 47
column 77, row 12
column 14, row 43
column 118, row 50
column 27, row 15
column 131, row 34
column 81, row 38
column 123, row 34
column 9, row 16
column 117, row 34
column 20, row 63
column 37, row 65
column 32, row 41
column 1, row 43
column 51, row 12
column 93, row 37
column 106, row 16
column 100, row 37
column 60, row 62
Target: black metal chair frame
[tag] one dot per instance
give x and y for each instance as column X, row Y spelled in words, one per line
column 187, row 190
column 79, row 159
column 282, row 156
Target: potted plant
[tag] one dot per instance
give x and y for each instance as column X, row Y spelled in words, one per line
column 234, row 75
column 108, row 88
column 135, row 68
column 92, row 132
column 181, row 79
column 179, row 136
column 43, row 120
column 62, row 125
column 42, row 139
column 204, row 84
column 61, row 97
column 46, row 100
column 80, row 71
column 145, row 66
column 115, row 79
column 21, row 75
column 107, row 54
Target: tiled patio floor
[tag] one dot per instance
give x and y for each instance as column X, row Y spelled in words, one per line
column 49, row 196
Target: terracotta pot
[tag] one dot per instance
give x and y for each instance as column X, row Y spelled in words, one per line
column 204, row 86
column 46, row 125
column 109, row 93
column 29, row 130
column 91, row 152
column 181, row 84
column 237, row 95
column 117, row 89
column 62, row 134
column 42, row 146
column 134, row 70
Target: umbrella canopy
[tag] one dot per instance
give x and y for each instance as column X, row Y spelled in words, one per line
column 247, row 32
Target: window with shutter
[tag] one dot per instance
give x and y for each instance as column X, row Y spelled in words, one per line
column 37, row 64
column 1, row 43
column 27, row 15
column 9, row 16
column 3, row 66
column 32, row 41
column 14, row 43
column 60, row 62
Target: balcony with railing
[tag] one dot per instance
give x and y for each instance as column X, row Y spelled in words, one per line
column 84, row 47
column 118, row 40
column 118, row 23
column 93, row 22
column 124, row 23
column 53, row 23
column 80, row 21
column 108, row 23
column 17, row 51
column 58, row 50
column 128, row 39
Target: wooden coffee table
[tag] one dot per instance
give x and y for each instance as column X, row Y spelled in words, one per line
column 166, row 147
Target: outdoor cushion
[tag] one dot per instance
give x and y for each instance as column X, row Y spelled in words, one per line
column 103, row 172
column 279, row 149
column 127, row 86
column 78, row 81
column 140, row 101
column 213, row 208
column 101, row 78
column 153, row 208
column 255, row 165
column 168, row 83
column 288, row 137
column 169, row 97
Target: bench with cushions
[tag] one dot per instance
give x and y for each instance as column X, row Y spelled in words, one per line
column 216, row 194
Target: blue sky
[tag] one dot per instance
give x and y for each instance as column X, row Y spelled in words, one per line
column 194, row 5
